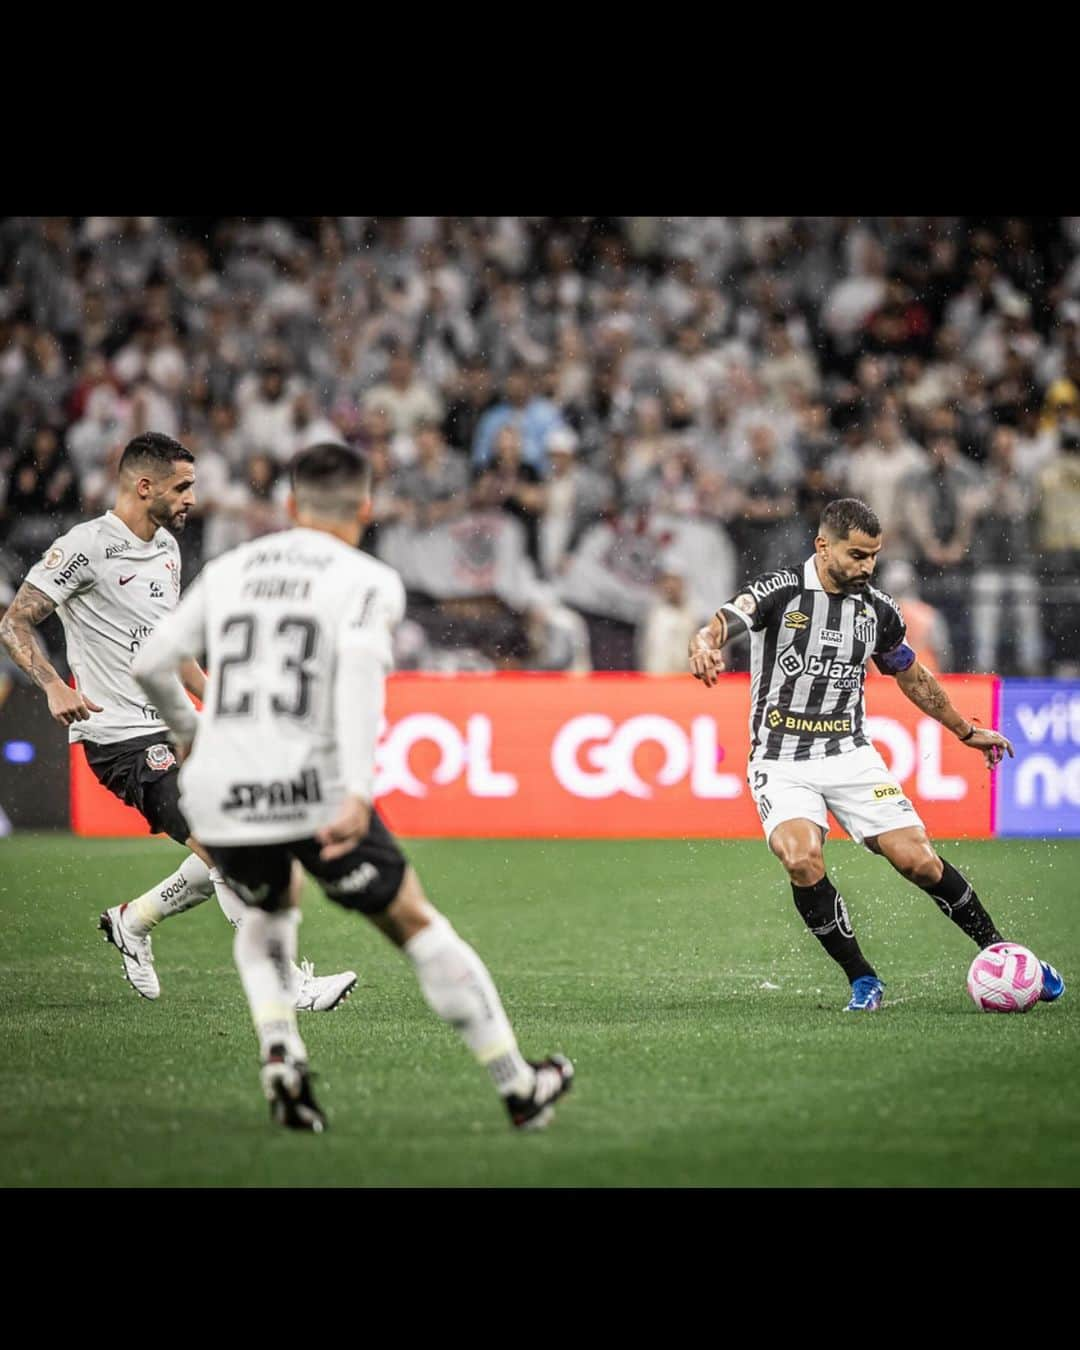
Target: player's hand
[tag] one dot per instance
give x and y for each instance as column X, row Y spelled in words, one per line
column 992, row 744
column 68, row 705
column 706, row 666
column 343, row 834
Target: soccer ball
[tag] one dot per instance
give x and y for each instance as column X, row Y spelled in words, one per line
column 1005, row 978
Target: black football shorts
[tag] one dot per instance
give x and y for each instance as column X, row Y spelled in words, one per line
column 143, row 773
column 366, row 879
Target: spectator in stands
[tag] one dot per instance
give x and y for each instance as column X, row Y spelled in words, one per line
column 406, row 397
column 42, row 499
column 1005, row 587
column 474, row 396
column 576, row 495
column 765, row 522
column 266, row 420
column 667, row 627
column 437, row 484
column 509, row 484
column 533, row 418
column 249, row 507
column 939, row 506
column 1059, row 545
column 875, row 472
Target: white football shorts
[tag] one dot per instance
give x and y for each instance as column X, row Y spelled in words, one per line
column 855, row 786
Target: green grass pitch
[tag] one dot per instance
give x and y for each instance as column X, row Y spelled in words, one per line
column 705, row 1024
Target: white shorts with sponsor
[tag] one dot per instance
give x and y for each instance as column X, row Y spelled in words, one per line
column 856, row 787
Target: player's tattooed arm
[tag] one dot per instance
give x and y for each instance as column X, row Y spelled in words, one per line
column 706, row 663
column 926, row 693
column 29, row 608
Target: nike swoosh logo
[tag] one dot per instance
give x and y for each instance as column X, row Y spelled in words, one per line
column 124, row 580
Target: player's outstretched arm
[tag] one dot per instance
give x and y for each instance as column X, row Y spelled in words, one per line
column 706, row 663
column 29, row 608
column 926, row 693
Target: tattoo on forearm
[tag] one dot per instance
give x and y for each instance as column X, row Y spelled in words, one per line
column 26, row 611
column 927, row 694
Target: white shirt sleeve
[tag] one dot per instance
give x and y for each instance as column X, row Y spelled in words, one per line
column 364, row 659
column 68, row 567
column 157, row 664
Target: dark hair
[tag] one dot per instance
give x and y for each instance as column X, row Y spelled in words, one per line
column 846, row 514
column 329, row 468
column 153, row 449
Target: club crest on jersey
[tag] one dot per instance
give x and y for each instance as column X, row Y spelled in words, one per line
column 796, row 619
column 866, row 626
column 174, row 573
column 159, row 757
column 53, row 558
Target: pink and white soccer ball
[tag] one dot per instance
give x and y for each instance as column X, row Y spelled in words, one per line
column 1005, row 978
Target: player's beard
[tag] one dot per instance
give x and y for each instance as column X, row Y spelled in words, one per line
column 849, row 585
column 174, row 524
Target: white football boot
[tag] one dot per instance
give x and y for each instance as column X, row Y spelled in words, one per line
column 135, row 952
column 321, row 993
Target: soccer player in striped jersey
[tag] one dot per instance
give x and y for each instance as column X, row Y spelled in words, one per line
column 813, row 628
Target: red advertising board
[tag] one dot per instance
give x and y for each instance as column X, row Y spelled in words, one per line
column 609, row 756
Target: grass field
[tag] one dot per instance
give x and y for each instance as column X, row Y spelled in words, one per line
column 652, row 964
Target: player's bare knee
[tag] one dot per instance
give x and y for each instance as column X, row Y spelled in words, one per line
column 918, row 863
column 924, row 868
column 802, row 859
column 408, row 913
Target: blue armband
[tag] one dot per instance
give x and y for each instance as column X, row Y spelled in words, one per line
column 899, row 659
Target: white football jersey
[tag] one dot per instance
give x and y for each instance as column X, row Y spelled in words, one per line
column 272, row 617
column 111, row 589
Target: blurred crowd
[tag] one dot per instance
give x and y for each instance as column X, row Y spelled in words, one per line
column 586, row 432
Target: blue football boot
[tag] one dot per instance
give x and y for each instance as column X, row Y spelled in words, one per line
column 866, row 994
column 1053, row 984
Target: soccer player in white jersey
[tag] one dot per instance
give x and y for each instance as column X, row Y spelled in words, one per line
column 297, row 630
column 112, row 580
column 813, row 628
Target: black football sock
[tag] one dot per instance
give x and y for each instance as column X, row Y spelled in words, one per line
column 957, row 900
column 825, row 914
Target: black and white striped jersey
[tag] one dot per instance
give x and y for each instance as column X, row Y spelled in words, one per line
column 808, row 654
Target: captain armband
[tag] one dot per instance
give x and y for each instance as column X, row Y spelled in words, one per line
column 899, row 659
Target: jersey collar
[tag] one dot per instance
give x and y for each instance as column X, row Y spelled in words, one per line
column 118, row 524
column 811, row 580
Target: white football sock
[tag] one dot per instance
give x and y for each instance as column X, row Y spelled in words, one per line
column 188, row 886
column 265, row 953
column 458, row 987
column 232, row 906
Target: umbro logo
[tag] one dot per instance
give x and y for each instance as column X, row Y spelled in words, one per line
column 796, row 619
column 124, row 580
